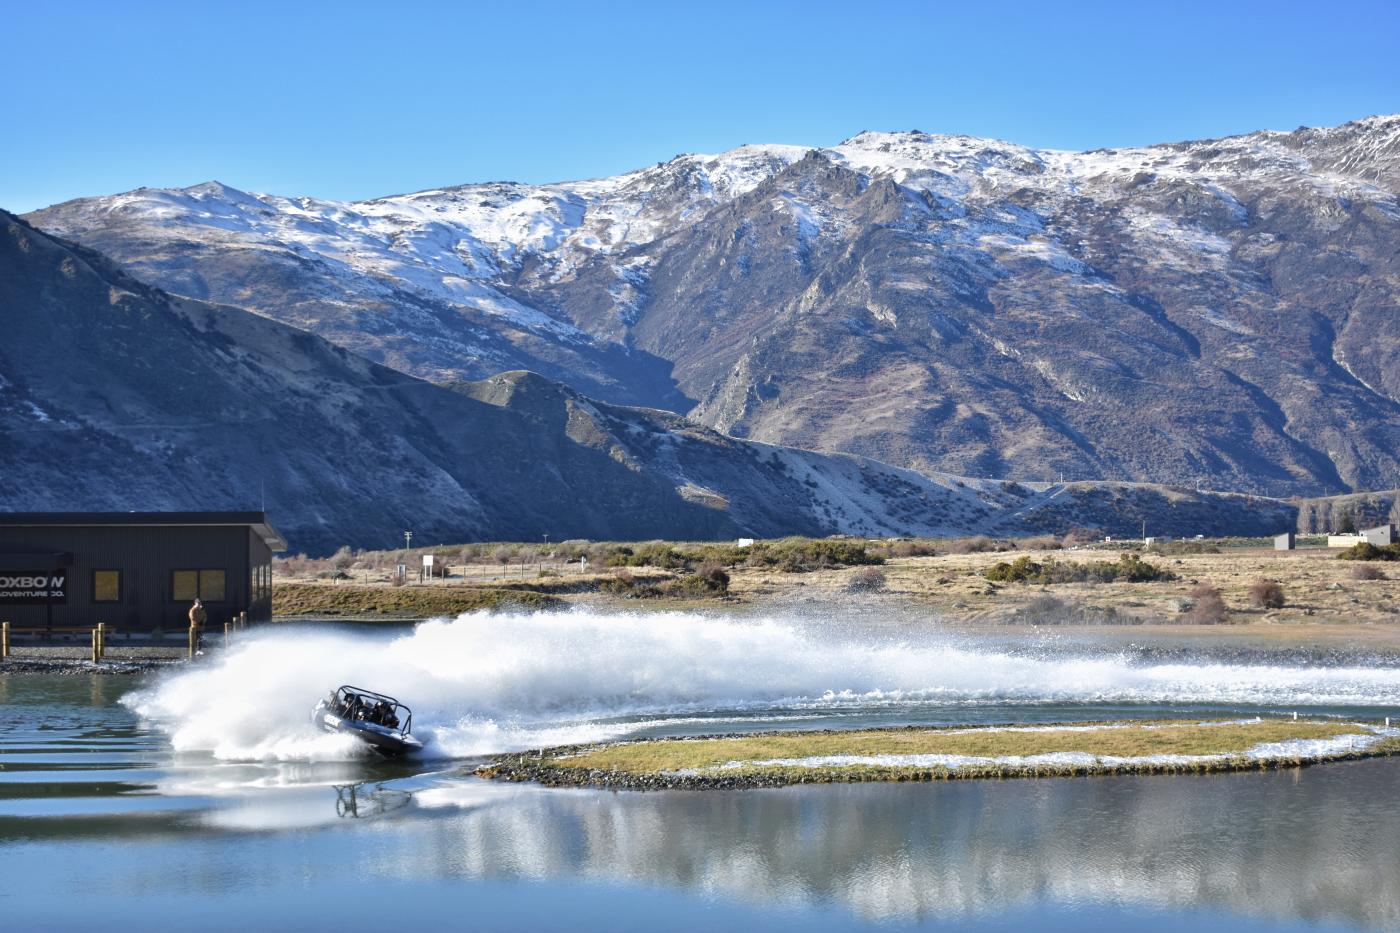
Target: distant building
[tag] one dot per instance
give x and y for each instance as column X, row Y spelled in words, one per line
column 1285, row 542
column 1380, row 536
column 744, row 542
column 1156, row 539
column 1344, row 540
column 135, row 571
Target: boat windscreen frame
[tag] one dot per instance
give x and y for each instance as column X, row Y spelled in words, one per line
column 405, row 715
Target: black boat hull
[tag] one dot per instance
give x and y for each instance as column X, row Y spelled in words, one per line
column 382, row 740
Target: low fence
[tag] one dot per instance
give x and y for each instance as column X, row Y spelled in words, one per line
column 97, row 636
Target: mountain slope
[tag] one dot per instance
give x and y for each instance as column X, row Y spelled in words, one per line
column 1218, row 312
column 116, row 396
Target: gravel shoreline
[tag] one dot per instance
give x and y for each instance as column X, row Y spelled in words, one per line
column 75, row 660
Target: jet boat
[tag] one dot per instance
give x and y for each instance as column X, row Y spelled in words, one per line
column 381, row 722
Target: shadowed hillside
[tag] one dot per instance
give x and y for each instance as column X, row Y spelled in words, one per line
column 115, row 395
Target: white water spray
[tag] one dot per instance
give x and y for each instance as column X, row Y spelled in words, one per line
column 488, row 683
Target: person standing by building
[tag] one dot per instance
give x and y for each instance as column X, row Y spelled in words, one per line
column 197, row 619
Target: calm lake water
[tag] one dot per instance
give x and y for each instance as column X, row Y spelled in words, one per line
column 104, row 826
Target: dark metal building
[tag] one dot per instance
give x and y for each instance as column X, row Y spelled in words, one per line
column 135, row 571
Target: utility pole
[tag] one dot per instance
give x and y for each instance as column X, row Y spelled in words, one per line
column 407, row 537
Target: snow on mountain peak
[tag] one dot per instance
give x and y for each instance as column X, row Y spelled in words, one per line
column 457, row 244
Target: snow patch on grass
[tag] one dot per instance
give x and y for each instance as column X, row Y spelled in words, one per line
column 1288, row 750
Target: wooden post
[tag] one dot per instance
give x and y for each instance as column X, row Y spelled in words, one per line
column 243, row 619
column 96, row 651
column 101, row 640
column 194, row 639
column 4, row 640
column 228, row 626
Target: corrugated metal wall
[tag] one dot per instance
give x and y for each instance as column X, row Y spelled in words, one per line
column 146, row 555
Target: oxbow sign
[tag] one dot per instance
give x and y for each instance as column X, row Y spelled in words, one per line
column 19, row 587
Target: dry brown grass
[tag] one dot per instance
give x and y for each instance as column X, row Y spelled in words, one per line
column 1325, row 604
column 348, row 601
column 1135, row 740
column 1322, row 595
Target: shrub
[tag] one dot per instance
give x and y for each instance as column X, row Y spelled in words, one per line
column 656, row 554
column 708, row 580
column 1020, row 570
column 910, row 548
column 1367, row 572
column 801, row 555
column 623, row 583
column 713, row 576
column 1365, row 550
column 342, row 559
column 1133, row 569
column 1048, row 610
column 1051, row 610
column 1208, row 606
column 975, row 545
column 697, row 585
column 1266, row 594
column 1129, row 568
column 867, row 580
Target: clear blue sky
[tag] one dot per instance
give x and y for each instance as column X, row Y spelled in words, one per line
column 351, row 100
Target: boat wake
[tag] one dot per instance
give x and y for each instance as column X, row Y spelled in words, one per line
column 488, row 683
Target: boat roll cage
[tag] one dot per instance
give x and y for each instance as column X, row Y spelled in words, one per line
column 404, row 714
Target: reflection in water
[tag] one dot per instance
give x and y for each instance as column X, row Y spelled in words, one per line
column 1314, row 845
column 362, row 801
column 85, row 786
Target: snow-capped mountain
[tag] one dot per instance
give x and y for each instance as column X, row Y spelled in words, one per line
column 116, row 396
column 1216, row 312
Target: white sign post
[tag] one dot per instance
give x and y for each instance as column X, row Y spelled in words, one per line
column 427, row 566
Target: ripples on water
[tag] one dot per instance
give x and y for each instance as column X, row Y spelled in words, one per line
column 250, row 814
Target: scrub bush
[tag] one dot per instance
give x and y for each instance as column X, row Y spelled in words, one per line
column 1365, row 550
column 1208, row 606
column 975, row 545
column 1266, row 594
column 1129, row 568
column 867, row 580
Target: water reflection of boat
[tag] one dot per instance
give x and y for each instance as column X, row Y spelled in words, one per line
column 379, row 721
column 363, row 801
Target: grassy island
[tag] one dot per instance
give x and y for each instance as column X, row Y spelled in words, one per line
column 923, row 754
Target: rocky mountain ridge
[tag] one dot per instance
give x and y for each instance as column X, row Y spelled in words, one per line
column 1217, row 312
column 115, row 396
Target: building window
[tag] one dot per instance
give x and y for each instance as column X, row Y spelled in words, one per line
column 106, row 586
column 208, row 585
column 184, row 585
column 211, row 586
